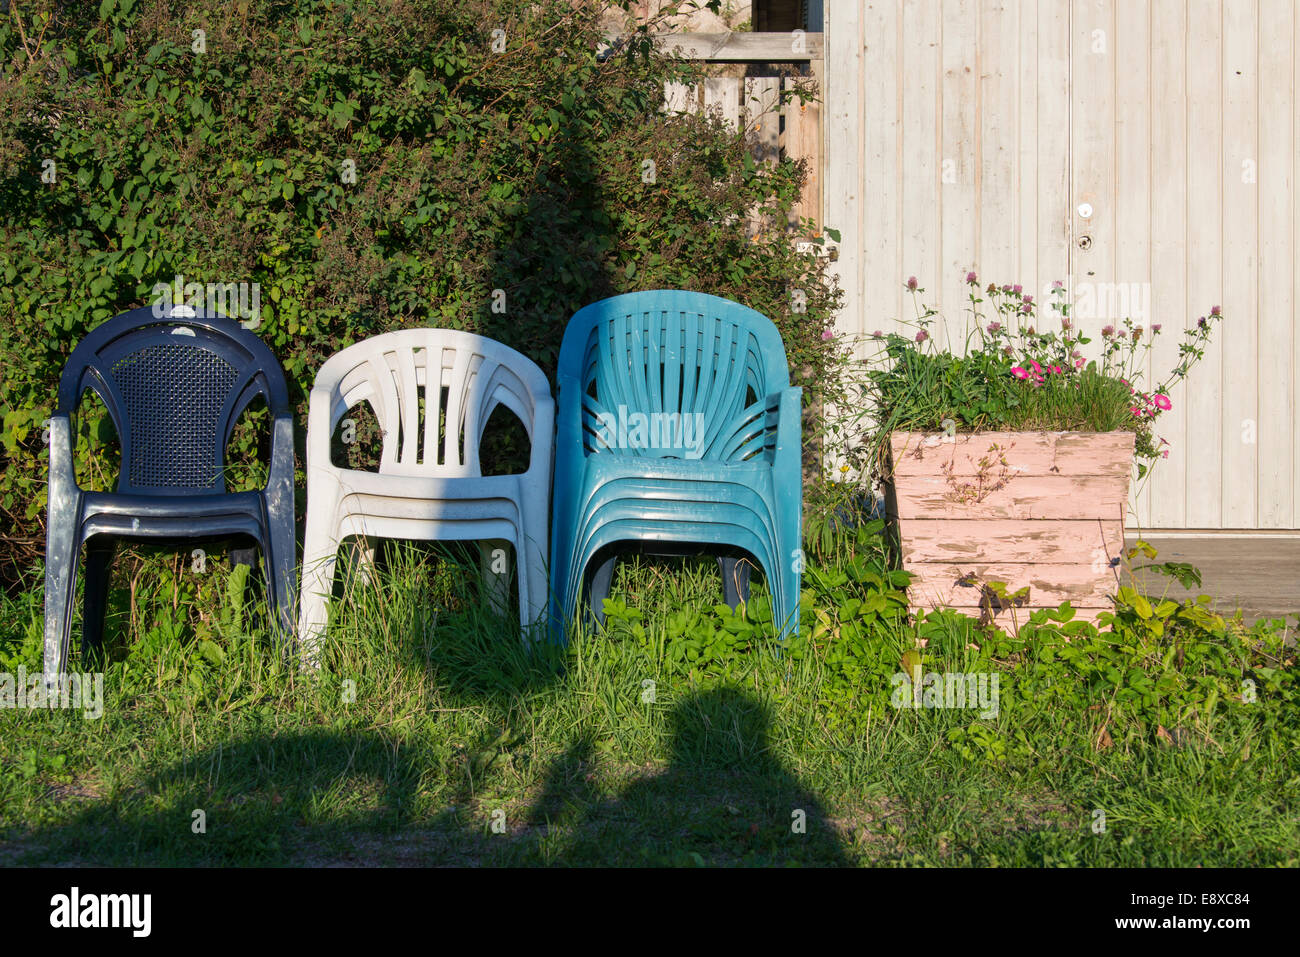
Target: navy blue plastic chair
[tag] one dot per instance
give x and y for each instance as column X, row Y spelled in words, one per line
column 174, row 386
column 678, row 431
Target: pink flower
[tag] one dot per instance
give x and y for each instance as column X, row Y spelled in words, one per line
column 994, row 327
column 1027, row 300
column 1037, row 367
column 922, row 336
column 828, row 335
column 1020, row 373
column 1017, row 289
column 1107, row 331
column 1078, row 363
column 1164, row 454
column 1155, row 328
column 912, row 283
column 878, row 334
column 1065, row 324
column 1163, row 404
column 1214, row 311
column 970, row 278
column 1058, row 284
column 1057, row 369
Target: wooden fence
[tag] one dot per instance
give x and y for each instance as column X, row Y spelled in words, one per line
column 792, row 129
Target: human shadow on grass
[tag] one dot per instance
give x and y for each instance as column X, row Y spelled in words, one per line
column 723, row 798
column 357, row 798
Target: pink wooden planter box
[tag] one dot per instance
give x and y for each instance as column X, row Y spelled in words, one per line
column 1038, row 509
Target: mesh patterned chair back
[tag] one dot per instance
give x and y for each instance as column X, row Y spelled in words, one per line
column 174, row 386
column 676, row 377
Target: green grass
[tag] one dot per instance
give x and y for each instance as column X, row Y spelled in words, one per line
column 461, row 746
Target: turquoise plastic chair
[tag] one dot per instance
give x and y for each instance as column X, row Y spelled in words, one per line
column 678, row 432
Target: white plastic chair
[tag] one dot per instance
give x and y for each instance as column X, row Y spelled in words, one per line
column 432, row 489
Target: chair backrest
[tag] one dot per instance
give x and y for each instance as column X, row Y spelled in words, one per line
column 175, row 385
column 432, row 392
column 670, row 373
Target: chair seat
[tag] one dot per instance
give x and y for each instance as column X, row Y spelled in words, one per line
column 445, row 488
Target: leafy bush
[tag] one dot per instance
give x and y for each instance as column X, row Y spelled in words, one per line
column 370, row 166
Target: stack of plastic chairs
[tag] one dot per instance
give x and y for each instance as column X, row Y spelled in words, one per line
column 677, row 426
column 174, row 385
column 430, row 485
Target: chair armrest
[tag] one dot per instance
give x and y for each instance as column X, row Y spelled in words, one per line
column 787, row 457
column 282, row 457
column 62, row 471
column 325, row 410
column 568, row 412
column 542, row 456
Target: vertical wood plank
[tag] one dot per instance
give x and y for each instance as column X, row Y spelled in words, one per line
column 844, row 112
column 1295, row 268
column 1133, row 147
column 1240, row 264
column 959, row 161
column 997, row 101
column 762, row 115
column 882, row 269
column 919, row 122
column 1092, row 157
column 678, row 97
column 1279, row 264
column 1026, row 182
column 722, row 95
column 801, row 140
column 1204, row 443
column 1166, row 486
column 1052, row 172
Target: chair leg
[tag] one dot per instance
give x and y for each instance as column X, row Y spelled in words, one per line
column 735, row 580
column 61, row 554
column 786, row 608
column 320, row 551
column 494, row 563
column 99, row 571
column 362, row 560
column 602, row 576
column 278, row 560
column 533, row 597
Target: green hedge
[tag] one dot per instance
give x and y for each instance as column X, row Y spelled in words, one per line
column 128, row 156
